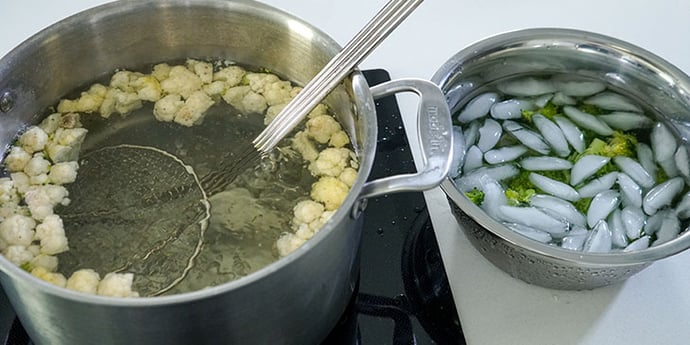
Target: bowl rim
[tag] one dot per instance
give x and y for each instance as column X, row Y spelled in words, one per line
column 539, row 37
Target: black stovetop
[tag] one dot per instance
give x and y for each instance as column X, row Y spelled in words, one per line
column 403, row 295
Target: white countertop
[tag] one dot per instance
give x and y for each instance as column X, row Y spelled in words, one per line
column 650, row 308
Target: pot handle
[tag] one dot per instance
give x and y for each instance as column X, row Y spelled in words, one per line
column 434, row 136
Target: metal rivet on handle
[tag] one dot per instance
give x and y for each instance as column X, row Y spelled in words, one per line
column 6, row 102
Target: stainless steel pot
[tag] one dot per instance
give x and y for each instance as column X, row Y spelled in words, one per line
column 637, row 72
column 295, row 300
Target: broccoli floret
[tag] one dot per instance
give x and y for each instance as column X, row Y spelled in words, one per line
column 476, row 196
column 519, row 189
column 661, row 176
column 591, row 109
column 549, row 110
column 618, row 144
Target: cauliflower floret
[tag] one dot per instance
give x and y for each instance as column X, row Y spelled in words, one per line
column 259, row 81
column 21, row 182
column 63, row 173
column 66, row 144
column 253, row 103
column 51, row 123
column 235, row 95
column 70, row 120
column 148, row 88
column 88, row 102
column 272, row 112
column 50, row 277
column 322, row 127
column 118, row 101
column 8, row 194
column 166, row 108
column 215, row 89
column 51, row 233
column 278, row 92
column 288, row 242
column 18, row 254
column 193, row 109
column 330, row 162
column 307, row 211
column 49, row 262
column 33, row 140
column 320, row 109
column 16, row 160
column 117, row 285
column 42, row 199
column 203, row 69
column 348, row 176
column 304, row 232
column 17, row 230
column 330, row 191
column 37, row 165
column 161, row 71
column 38, row 179
column 317, row 224
column 339, row 139
column 302, row 144
column 124, row 80
column 84, row 280
column 181, row 81
column 232, row 75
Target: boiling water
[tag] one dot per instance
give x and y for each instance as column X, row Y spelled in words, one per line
column 137, row 208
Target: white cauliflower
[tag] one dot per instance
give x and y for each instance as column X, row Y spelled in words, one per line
column 202, row 69
column 302, row 144
column 50, row 277
column 16, row 160
column 330, row 162
column 84, row 280
column 119, row 101
column 330, row 191
column 51, row 123
column 320, row 109
column 181, row 81
column 232, row 75
column 193, row 109
column 288, row 242
column 322, row 127
column 259, row 81
column 161, row 71
column 317, row 224
column 51, row 234
column 8, row 194
column 18, row 254
column 63, row 173
column 148, row 88
column 18, row 230
column 166, row 108
column 33, row 140
column 245, row 100
column 277, row 92
column 124, row 80
column 66, row 144
column 304, row 232
column 272, row 112
column 215, row 89
column 42, row 199
column 49, row 262
column 21, row 182
column 88, row 102
column 38, row 179
column 307, row 211
column 70, row 120
column 235, row 95
column 348, row 176
column 339, row 139
column 117, row 285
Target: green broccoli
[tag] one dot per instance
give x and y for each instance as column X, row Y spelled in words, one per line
column 582, row 205
column 618, row 144
column 519, row 189
column 549, row 110
column 591, row 109
column 476, row 196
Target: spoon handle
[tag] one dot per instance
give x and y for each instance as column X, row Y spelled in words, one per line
column 377, row 29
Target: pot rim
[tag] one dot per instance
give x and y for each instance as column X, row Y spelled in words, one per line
column 541, row 38
column 119, row 8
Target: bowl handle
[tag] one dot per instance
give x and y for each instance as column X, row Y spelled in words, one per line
column 434, row 136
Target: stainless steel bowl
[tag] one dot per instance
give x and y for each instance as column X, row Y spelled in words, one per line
column 649, row 79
